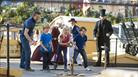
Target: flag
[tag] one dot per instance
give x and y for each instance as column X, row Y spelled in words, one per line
column 86, row 6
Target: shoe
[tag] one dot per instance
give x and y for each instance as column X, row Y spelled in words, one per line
column 108, row 65
column 65, row 69
column 98, row 64
column 88, row 69
column 43, row 70
column 22, row 67
column 48, row 69
column 75, row 62
column 79, row 64
column 31, row 70
column 55, row 66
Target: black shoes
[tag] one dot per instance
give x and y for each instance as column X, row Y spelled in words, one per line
column 22, row 67
column 98, row 64
column 65, row 69
column 79, row 64
column 31, row 70
column 46, row 69
column 28, row 69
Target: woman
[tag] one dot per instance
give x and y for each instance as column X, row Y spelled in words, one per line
column 55, row 33
column 36, row 35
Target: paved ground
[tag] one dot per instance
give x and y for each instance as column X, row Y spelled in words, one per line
column 53, row 73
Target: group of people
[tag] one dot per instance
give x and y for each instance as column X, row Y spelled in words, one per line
column 68, row 39
column 55, row 41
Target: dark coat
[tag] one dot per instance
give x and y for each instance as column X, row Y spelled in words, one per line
column 75, row 31
column 55, row 33
column 100, row 31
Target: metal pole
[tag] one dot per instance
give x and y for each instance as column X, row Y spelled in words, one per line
column 8, row 63
column 63, row 3
column 116, row 51
column 105, row 62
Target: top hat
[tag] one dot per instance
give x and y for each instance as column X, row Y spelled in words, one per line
column 102, row 12
column 72, row 20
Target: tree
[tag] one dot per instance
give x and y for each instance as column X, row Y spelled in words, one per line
column 73, row 11
column 17, row 15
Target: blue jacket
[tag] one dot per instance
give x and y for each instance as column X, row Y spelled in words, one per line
column 75, row 31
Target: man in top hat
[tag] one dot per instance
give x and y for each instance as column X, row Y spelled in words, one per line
column 102, row 32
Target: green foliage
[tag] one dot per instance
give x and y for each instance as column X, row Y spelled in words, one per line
column 74, row 11
column 17, row 14
column 91, row 12
column 48, row 15
column 111, row 18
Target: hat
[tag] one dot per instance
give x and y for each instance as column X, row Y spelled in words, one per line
column 102, row 12
column 72, row 20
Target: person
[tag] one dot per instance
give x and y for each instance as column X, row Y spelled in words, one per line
column 55, row 33
column 74, row 27
column 80, row 41
column 64, row 39
column 36, row 38
column 102, row 32
column 36, row 35
column 75, row 31
column 46, row 47
column 26, row 40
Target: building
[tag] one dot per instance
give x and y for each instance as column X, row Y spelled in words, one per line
column 60, row 5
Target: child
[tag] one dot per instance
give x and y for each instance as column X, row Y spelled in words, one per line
column 64, row 39
column 46, row 47
column 80, row 41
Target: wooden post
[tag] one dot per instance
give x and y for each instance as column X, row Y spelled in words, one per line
column 72, row 66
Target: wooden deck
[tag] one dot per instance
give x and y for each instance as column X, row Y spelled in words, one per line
column 13, row 72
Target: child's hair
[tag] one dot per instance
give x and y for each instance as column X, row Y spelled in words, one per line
column 83, row 28
column 46, row 27
column 36, row 12
column 37, row 31
column 66, row 28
